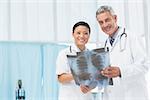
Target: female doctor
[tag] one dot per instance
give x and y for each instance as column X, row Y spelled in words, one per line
column 68, row 90
column 127, row 59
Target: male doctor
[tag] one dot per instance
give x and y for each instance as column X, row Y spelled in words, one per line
column 127, row 60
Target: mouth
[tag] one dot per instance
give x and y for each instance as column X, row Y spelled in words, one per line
column 81, row 40
column 107, row 29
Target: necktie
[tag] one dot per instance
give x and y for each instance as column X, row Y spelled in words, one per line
column 111, row 41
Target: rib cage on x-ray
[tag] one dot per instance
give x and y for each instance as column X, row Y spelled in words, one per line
column 86, row 66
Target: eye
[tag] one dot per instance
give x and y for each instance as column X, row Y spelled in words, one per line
column 78, row 33
column 86, row 33
column 107, row 20
column 100, row 22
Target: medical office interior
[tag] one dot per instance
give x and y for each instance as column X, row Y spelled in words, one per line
column 32, row 32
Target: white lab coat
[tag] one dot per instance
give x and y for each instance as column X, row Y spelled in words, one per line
column 69, row 91
column 132, row 63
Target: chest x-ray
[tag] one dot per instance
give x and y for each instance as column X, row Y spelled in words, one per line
column 86, row 67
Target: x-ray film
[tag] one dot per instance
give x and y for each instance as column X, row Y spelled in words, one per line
column 86, row 67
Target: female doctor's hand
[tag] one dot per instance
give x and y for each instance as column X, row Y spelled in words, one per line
column 111, row 72
column 85, row 88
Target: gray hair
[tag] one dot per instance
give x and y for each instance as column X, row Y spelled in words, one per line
column 105, row 8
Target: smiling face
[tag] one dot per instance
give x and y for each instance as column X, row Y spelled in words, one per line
column 107, row 22
column 81, row 36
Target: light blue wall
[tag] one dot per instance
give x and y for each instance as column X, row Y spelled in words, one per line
column 34, row 64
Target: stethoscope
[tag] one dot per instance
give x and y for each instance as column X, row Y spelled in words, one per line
column 70, row 49
column 122, row 44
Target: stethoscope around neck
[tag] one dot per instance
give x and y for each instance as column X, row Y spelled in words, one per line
column 122, row 44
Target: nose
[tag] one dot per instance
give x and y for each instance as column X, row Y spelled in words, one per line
column 105, row 24
column 81, row 35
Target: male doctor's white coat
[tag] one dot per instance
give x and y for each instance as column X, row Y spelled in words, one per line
column 130, row 56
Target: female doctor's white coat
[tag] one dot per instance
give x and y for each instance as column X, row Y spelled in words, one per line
column 131, row 60
column 69, row 91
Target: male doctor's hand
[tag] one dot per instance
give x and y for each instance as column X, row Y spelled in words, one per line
column 111, row 72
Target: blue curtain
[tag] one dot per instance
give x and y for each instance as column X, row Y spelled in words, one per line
column 34, row 64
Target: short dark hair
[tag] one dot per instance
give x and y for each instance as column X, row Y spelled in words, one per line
column 82, row 23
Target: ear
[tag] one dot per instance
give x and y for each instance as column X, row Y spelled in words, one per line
column 115, row 17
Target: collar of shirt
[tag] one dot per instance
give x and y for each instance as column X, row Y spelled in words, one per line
column 76, row 49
